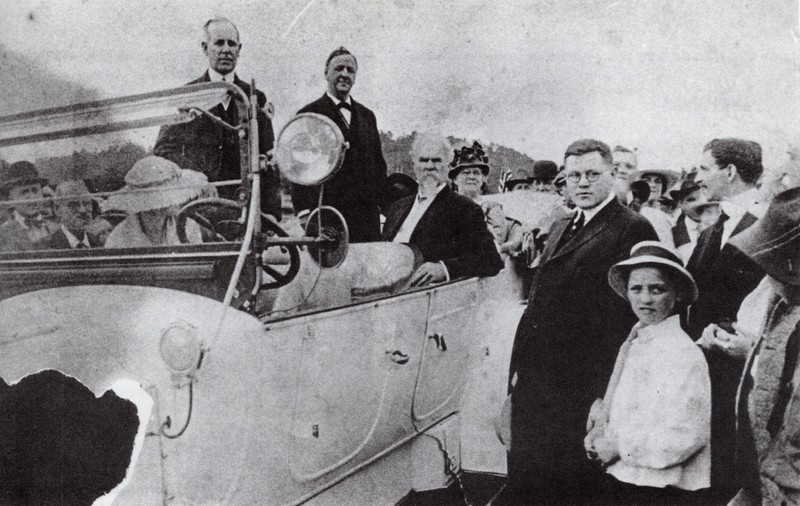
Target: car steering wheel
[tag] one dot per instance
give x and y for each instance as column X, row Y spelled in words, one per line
column 220, row 220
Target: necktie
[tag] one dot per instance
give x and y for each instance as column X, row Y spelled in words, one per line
column 347, row 107
column 577, row 224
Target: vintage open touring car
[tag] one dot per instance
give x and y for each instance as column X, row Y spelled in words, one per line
column 252, row 367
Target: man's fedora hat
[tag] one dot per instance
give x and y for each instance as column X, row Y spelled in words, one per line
column 399, row 185
column 652, row 254
column 517, row 176
column 698, row 208
column 469, row 156
column 544, row 170
column 773, row 242
column 19, row 173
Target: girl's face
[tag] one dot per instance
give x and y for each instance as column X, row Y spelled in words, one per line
column 652, row 295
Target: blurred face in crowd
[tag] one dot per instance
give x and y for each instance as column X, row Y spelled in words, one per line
column 589, row 179
column 624, row 164
column 689, row 200
column 430, row 168
column 655, row 183
column 222, row 47
column 469, row 181
column 99, row 229
column 712, row 178
column 524, row 185
column 544, row 186
column 29, row 191
column 341, row 75
column 652, row 295
column 74, row 213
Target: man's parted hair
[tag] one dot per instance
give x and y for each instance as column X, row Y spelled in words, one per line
column 207, row 36
column 586, row 146
column 339, row 51
column 744, row 154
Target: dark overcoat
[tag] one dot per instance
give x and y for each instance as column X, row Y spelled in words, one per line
column 452, row 231
column 206, row 147
column 567, row 342
column 358, row 189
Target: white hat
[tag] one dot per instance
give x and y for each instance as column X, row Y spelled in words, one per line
column 155, row 183
column 652, row 253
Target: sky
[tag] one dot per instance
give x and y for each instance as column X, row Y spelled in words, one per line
column 661, row 76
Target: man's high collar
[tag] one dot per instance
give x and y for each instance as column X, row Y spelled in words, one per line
column 216, row 77
column 437, row 191
column 336, row 101
column 591, row 213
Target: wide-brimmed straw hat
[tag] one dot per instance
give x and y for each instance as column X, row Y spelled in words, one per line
column 773, row 242
column 155, row 183
column 469, row 156
column 669, row 177
column 653, row 254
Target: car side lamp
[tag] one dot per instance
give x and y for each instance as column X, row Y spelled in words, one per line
column 181, row 351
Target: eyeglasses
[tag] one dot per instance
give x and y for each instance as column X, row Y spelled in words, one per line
column 591, row 176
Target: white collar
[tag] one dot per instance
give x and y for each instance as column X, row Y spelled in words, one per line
column 590, row 213
column 336, row 101
column 668, row 325
column 748, row 201
column 74, row 241
column 439, row 189
column 216, row 77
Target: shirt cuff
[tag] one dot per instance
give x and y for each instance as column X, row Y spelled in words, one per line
column 446, row 272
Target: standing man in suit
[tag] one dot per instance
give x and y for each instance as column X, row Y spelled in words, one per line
column 728, row 171
column 447, row 228
column 358, row 190
column 73, row 208
column 569, row 336
column 206, row 147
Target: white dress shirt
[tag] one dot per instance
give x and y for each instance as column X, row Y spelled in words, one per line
column 693, row 231
column 74, row 241
column 216, row 77
column 421, row 204
column 346, row 113
column 737, row 206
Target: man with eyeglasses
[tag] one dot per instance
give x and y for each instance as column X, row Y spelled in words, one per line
column 569, row 335
column 73, row 207
column 447, row 228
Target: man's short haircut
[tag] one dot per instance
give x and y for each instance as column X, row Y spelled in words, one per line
column 219, row 20
column 339, row 51
column 622, row 149
column 586, row 146
column 425, row 139
column 744, row 154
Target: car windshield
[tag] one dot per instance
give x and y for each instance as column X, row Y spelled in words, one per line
column 89, row 194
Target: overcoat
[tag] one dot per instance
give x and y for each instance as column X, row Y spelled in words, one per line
column 453, row 231
column 206, row 147
column 567, row 342
column 358, row 189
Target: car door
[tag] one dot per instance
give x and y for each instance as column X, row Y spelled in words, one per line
column 450, row 341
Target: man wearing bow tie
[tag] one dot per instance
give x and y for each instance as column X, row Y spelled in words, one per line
column 569, row 335
column 19, row 182
column 448, row 229
column 358, row 190
column 206, row 147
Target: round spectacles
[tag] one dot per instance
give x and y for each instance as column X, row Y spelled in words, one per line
column 591, row 176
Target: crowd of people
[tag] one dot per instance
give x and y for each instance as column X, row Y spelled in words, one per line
column 657, row 359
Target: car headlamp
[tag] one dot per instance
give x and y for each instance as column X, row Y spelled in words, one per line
column 180, row 347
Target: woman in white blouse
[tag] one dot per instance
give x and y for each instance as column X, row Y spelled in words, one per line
column 651, row 430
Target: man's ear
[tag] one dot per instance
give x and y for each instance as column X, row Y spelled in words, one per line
column 204, row 45
column 733, row 172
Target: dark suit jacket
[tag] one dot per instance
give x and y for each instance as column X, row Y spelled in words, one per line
column 58, row 240
column 358, row 190
column 452, row 231
column 206, row 147
column 680, row 235
column 567, row 342
column 724, row 277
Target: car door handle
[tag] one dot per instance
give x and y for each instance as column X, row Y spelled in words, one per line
column 439, row 340
column 397, row 356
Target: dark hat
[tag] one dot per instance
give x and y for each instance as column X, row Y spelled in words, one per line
column 19, row 173
column 560, row 179
column 544, row 170
column 517, row 176
column 773, row 242
column 399, row 185
column 469, row 156
column 695, row 210
column 686, row 188
column 652, row 253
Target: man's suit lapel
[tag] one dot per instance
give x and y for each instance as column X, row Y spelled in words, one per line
column 746, row 221
column 680, row 235
column 596, row 225
column 394, row 220
column 333, row 113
